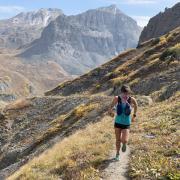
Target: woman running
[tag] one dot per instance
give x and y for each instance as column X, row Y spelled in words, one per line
column 123, row 105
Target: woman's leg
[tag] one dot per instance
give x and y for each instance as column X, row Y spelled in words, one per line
column 118, row 139
column 124, row 138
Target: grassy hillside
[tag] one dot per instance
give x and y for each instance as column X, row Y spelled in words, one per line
column 18, row 78
column 69, row 135
column 76, row 157
column 43, row 121
column 154, row 143
column 151, row 69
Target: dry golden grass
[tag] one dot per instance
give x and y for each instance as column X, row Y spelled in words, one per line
column 134, row 82
column 83, row 109
column 119, row 80
column 176, row 50
column 75, row 157
column 156, row 142
column 163, row 40
column 64, row 121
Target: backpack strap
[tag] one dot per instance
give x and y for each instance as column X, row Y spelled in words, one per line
column 129, row 100
column 119, row 100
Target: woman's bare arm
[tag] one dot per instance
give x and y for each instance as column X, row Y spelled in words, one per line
column 135, row 105
column 114, row 102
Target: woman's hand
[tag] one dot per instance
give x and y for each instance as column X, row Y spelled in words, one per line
column 133, row 119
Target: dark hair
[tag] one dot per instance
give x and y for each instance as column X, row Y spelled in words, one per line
column 126, row 89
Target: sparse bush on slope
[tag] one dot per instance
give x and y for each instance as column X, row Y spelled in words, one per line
column 172, row 53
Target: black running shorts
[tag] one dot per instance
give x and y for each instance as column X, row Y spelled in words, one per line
column 121, row 126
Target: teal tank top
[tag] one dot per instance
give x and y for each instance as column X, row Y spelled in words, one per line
column 123, row 119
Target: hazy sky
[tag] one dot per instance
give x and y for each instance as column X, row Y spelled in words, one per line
column 141, row 10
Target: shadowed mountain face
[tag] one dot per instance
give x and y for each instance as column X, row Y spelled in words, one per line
column 82, row 42
column 162, row 23
column 25, row 27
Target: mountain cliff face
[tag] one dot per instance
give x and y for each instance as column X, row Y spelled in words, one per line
column 25, row 27
column 82, row 42
column 162, row 23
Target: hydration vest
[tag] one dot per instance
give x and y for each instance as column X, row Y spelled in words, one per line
column 127, row 109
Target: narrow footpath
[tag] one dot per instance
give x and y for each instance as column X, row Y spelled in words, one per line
column 116, row 170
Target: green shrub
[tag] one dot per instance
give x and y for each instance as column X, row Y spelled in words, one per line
column 98, row 86
column 171, row 53
column 156, row 41
column 112, row 75
column 118, row 83
column 175, row 176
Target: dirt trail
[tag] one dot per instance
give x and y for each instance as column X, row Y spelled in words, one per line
column 116, row 170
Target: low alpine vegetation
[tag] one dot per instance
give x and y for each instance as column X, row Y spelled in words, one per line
column 155, row 150
column 171, row 53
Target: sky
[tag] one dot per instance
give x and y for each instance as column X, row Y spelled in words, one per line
column 140, row 10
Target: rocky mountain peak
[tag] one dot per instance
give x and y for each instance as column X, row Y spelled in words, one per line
column 81, row 42
column 111, row 9
column 25, row 27
column 40, row 17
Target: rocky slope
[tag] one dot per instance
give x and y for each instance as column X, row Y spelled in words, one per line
column 25, row 27
column 41, row 121
column 18, row 79
column 151, row 69
column 162, row 23
column 82, row 42
column 74, row 105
